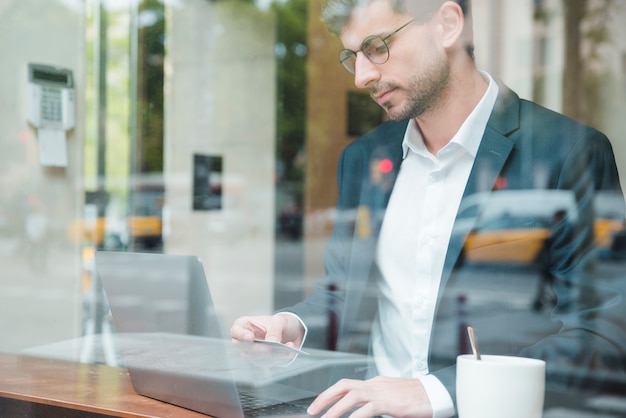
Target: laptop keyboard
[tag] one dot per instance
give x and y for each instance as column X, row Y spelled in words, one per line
column 256, row 407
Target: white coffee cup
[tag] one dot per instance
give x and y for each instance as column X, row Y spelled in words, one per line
column 500, row 386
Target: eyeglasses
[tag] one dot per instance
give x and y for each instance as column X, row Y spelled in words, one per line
column 374, row 48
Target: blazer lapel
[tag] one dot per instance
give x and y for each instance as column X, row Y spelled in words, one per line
column 493, row 152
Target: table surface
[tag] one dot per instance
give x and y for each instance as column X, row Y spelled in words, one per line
column 97, row 389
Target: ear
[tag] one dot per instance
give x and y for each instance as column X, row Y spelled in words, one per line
column 452, row 23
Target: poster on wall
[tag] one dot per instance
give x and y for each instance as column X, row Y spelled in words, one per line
column 207, row 182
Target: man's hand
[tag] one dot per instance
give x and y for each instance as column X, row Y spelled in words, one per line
column 281, row 327
column 398, row 397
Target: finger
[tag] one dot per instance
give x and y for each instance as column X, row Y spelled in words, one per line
column 277, row 329
column 351, row 401
column 247, row 329
column 237, row 330
column 293, row 330
column 258, row 328
column 340, row 409
column 329, row 397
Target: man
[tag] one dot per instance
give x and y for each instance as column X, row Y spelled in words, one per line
column 455, row 134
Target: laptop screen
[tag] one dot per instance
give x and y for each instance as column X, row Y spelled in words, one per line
column 157, row 293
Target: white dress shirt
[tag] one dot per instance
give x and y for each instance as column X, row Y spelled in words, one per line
column 413, row 244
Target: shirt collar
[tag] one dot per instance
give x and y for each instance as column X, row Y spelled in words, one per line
column 471, row 131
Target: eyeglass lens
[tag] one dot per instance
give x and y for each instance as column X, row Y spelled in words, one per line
column 374, row 48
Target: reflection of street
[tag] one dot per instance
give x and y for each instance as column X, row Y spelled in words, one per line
column 475, row 306
column 483, row 299
column 289, row 270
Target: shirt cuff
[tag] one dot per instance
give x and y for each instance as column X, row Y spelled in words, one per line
column 306, row 330
column 440, row 399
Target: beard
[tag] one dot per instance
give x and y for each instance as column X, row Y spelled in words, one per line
column 423, row 92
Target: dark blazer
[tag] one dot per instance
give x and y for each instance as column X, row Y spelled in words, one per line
column 524, row 147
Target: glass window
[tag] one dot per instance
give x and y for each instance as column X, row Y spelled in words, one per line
column 229, row 131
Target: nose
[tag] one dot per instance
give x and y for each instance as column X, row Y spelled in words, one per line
column 365, row 72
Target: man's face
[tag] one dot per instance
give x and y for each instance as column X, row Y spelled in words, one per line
column 410, row 83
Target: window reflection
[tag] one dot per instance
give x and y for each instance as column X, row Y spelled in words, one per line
column 259, row 87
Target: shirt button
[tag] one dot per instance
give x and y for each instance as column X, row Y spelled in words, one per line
column 436, row 176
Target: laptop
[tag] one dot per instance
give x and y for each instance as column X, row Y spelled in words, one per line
column 169, row 337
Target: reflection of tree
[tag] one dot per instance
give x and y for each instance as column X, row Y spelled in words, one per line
column 151, row 52
column 586, row 37
column 291, row 54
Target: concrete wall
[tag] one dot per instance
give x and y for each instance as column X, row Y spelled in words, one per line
column 39, row 303
column 220, row 100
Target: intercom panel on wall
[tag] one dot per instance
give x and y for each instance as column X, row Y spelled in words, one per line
column 51, row 109
column 50, row 97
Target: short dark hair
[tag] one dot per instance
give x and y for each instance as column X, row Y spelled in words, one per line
column 336, row 13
